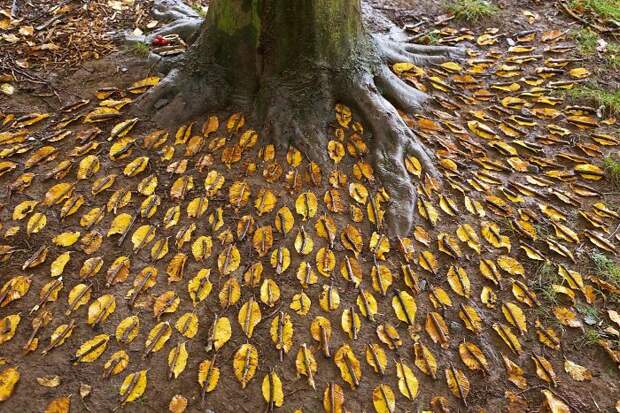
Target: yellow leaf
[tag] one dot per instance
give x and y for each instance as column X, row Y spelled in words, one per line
column 36, row 223
column 265, row 201
column 245, row 363
column 239, row 194
column 166, row 303
column 263, row 240
column 383, row 399
column 577, row 372
column 321, row 331
column 228, row 260
column 300, row 303
column 60, row 404
column 269, row 292
column 306, row 365
column 349, row 365
column 272, row 390
column 100, row 309
column 306, row 205
column 230, row 292
column 177, row 360
column 133, row 386
column 187, row 325
column 66, row 239
column 407, row 381
column 458, row 383
column 90, row 350
column 58, row 266
column 200, row 286
column 425, row 360
column 404, row 306
column 511, row 265
column 208, row 375
column 140, row 87
column 120, row 224
column 554, row 404
column 157, row 337
column 8, row 326
column 249, row 316
column 473, row 357
column 333, row 399
column 127, row 330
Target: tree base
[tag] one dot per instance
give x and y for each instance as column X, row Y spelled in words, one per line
column 293, row 110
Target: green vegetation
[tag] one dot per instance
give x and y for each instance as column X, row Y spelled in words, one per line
column 590, row 337
column 613, row 55
column 472, row 10
column 140, row 49
column 612, row 166
column 587, row 311
column 592, row 92
column 547, row 276
column 607, row 9
column 587, row 40
column 606, row 268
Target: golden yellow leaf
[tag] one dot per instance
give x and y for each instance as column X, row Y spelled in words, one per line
column 128, row 329
column 177, row 360
column 458, row 383
column 100, row 309
column 306, row 205
column 554, row 404
column 157, row 337
column 60, row 404
column 208, row 375
column 383, row 399
column 333, row 399
column 249, row 316
column 425, row 360
column 405, row 307
column 514, row 373
column 272, row 390
column 8, row 326
column 306, row 365
column 133, row 386
column 90, row 350
column 300, row 303
column 407, row 381
column 245, row 363
column 349, row 365
column 269, row 292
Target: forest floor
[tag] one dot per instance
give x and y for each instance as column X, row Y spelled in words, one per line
column 130, row 256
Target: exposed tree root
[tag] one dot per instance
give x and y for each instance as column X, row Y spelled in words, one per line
column 392, row 142
column 294, row 111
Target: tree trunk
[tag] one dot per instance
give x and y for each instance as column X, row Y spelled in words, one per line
column 287, row 63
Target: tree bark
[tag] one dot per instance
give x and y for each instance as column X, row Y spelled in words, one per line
column 288, row 62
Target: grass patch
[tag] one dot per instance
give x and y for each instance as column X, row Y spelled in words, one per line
column 612, row 166
column 140, row 49
column 606, row 268
column 611, row 100
column 472, row 10
column 590, row 337
column 607, row 9
column 613, row 55
column 587, row 41
column 547, row 276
